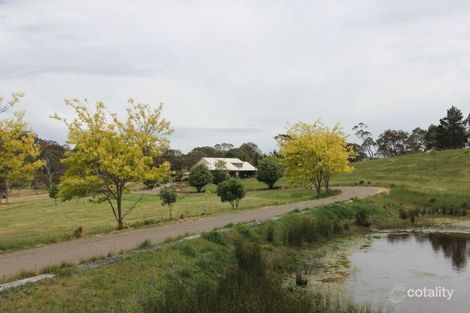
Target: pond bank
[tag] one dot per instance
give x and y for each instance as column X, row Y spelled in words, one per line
column 365, row 268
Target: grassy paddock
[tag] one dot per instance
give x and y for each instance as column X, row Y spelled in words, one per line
column 418, row 179
column 33, row 219
column 446, row 172
column 140, row 281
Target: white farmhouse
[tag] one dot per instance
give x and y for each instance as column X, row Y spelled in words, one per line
column 235, row 167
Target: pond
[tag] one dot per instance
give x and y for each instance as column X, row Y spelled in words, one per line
column 413, row 272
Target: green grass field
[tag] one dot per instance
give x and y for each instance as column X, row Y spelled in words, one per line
column 127, row 284
column 445, row 172
column 34, row 219
column 137, row 278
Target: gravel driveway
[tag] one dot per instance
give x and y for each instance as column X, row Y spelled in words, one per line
column 74, row 251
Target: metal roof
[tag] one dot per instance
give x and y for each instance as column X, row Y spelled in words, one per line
column 231, row 164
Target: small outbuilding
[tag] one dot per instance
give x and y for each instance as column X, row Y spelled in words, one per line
column 235, row 167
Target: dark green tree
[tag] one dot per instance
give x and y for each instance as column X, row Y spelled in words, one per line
column 168, row 197
column 220, row 173
column 430, row 138
column 451, row 132
column 269, row 171
column 199, row 177
column 392, row 143
column 417, row 140
column 223, row 147
column 248, row 152
column 53, row 192
column 231, row 191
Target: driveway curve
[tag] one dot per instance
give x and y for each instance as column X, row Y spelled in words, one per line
column 35, row 259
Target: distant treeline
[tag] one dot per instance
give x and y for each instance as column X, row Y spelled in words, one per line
column 452, row 132
column 52, row 153
column 248, row 152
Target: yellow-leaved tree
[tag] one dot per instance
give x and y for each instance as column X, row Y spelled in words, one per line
column 109, row 153
column 18, row 153
column 312, row 153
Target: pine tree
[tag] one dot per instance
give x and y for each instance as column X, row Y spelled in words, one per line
column 451, row 132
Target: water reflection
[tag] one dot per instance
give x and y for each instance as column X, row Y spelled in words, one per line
column 452, row 245
column 417, row 260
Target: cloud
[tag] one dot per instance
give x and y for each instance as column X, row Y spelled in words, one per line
column 240, row 70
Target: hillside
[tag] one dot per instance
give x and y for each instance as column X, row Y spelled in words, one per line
column 441, row 172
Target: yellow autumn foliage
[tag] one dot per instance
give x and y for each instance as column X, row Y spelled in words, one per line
column 18, row 152
column 312, row 153
column 108, row 153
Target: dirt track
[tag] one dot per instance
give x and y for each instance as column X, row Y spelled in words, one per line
column 74, row 251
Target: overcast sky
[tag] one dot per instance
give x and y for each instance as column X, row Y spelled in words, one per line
column 238, row 71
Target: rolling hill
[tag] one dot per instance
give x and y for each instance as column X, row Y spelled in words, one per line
column 442, row 172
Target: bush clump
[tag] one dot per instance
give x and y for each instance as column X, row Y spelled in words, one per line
column 168, row 197
column 269, row 171
column 363, row 218
column 270, row 232
column 300, row 230
column 199, row 176
column 219, row 176
column 231, row 191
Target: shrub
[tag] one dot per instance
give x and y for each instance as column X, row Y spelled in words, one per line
column 337, row 229
column 249, row 257
column 219, row 176
column 270, row 232
column 269, row 171
column 413, row 214
column 53, row 191
column 403, row 214
column 80, row 232
column 231, row 191
column 324, row 227
column 168, row 197
column 363, row 218
column 199, row 176
column 150, row 184
column 178, row 176
column 301, row 229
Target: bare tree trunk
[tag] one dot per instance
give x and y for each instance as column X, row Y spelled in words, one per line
column 318, row 189
column 119, row 210
column 120, row 213
column 7, row 191
column 326, row 179
column 48, row 170
column 317, row 181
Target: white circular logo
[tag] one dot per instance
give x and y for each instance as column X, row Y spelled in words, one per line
column 398, row 293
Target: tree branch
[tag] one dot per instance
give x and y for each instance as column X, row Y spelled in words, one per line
column 131, row 208
column 112, row 207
